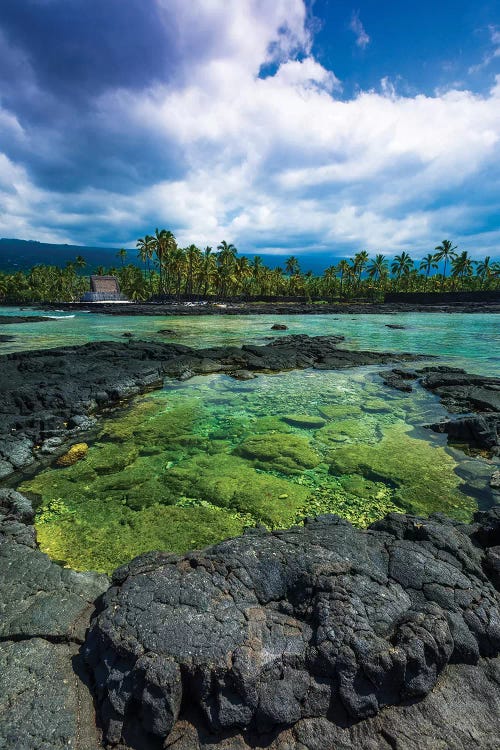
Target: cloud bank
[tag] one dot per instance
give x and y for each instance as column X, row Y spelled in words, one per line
column 215, row 119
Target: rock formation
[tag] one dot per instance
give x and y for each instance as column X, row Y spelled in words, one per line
column 303, row 638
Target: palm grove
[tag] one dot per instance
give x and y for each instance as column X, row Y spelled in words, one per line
column 169, row 270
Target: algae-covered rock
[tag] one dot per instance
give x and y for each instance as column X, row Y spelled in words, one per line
column 352, row 430
column 101, row 536
column 421, row 475
column 229, row 481
column 287, row 453
column 263, row 425
column 110, row 458
column 339, row 411
column 377, row 406
column 74, row 454
column 305, row 421
column 359, row 501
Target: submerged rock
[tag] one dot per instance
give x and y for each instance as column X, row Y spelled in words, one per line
column 284, row 452
column 314, row 629
column 279, row 327
column 306, row 421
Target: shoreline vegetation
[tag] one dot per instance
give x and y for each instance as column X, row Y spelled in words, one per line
column 169, row 272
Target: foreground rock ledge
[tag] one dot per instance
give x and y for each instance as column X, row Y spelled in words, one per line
column 317, row 637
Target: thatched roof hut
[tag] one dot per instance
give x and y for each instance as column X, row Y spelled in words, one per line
column 103, row 289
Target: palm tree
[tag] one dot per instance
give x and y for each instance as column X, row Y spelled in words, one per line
column 164, row 245
column 177, row 263
column 292, row 266
column 208, row 269
column 100, row 270
column 461, row 266
column 427, row 264
column 343, row 269
column 329, row 276
column 358, row 265
column 377, row 267
column 377, row 270
column 257, row 267
column 485, row 270
column 445, row 250
column 242, row 273
column 193, row 259
column 402, row 265
column 145, row 251
column 122, row 254
column 80, row 261
column 225, row 264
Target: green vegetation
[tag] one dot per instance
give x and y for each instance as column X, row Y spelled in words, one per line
column 168, row 269
column 421, row 474
column 286, row 453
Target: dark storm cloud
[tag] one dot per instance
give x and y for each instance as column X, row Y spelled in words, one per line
column 57, row 57
column 80, row 48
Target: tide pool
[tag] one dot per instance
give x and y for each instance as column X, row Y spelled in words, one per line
column 201, row 460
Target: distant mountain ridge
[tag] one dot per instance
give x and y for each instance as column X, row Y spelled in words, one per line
column 21, row 255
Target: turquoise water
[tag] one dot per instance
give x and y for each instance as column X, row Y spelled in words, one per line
column 200, row 460
column 472, row 341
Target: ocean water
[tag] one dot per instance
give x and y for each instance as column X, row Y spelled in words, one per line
column 470, row 340
column 198, row 461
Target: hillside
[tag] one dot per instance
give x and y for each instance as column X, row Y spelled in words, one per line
column 20, row 255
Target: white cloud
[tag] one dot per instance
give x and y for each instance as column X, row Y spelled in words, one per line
column 362, row 38
column 279, row 161
column 492, row 53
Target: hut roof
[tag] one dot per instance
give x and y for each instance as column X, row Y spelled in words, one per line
column 104, row 284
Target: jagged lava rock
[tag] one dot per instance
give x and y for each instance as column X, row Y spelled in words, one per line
column 322, row 623
column 45, row 703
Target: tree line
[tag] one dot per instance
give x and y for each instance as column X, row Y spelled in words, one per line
column 170, row 270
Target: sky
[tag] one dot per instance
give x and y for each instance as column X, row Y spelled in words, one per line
column 285, row 127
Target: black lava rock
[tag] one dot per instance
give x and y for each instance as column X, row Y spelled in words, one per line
column 316, row 628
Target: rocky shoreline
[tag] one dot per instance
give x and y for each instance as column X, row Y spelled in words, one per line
column 475, row 398
column 274, row 308
column 317, row 637
column 48, row 397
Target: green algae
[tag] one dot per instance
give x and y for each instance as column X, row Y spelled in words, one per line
column 338, row 411
column 193, row 464
column 72, row 535
column 352, row 430
column 282, row 452
column 229, row 481
column 360, row 504
column 422, row 475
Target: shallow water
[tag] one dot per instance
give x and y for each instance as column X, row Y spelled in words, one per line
column 472, row 341
column 199, row 461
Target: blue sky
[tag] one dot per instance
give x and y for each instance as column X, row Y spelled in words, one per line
column 284, row 127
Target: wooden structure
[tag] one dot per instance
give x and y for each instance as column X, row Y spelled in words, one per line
column 103, row 289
